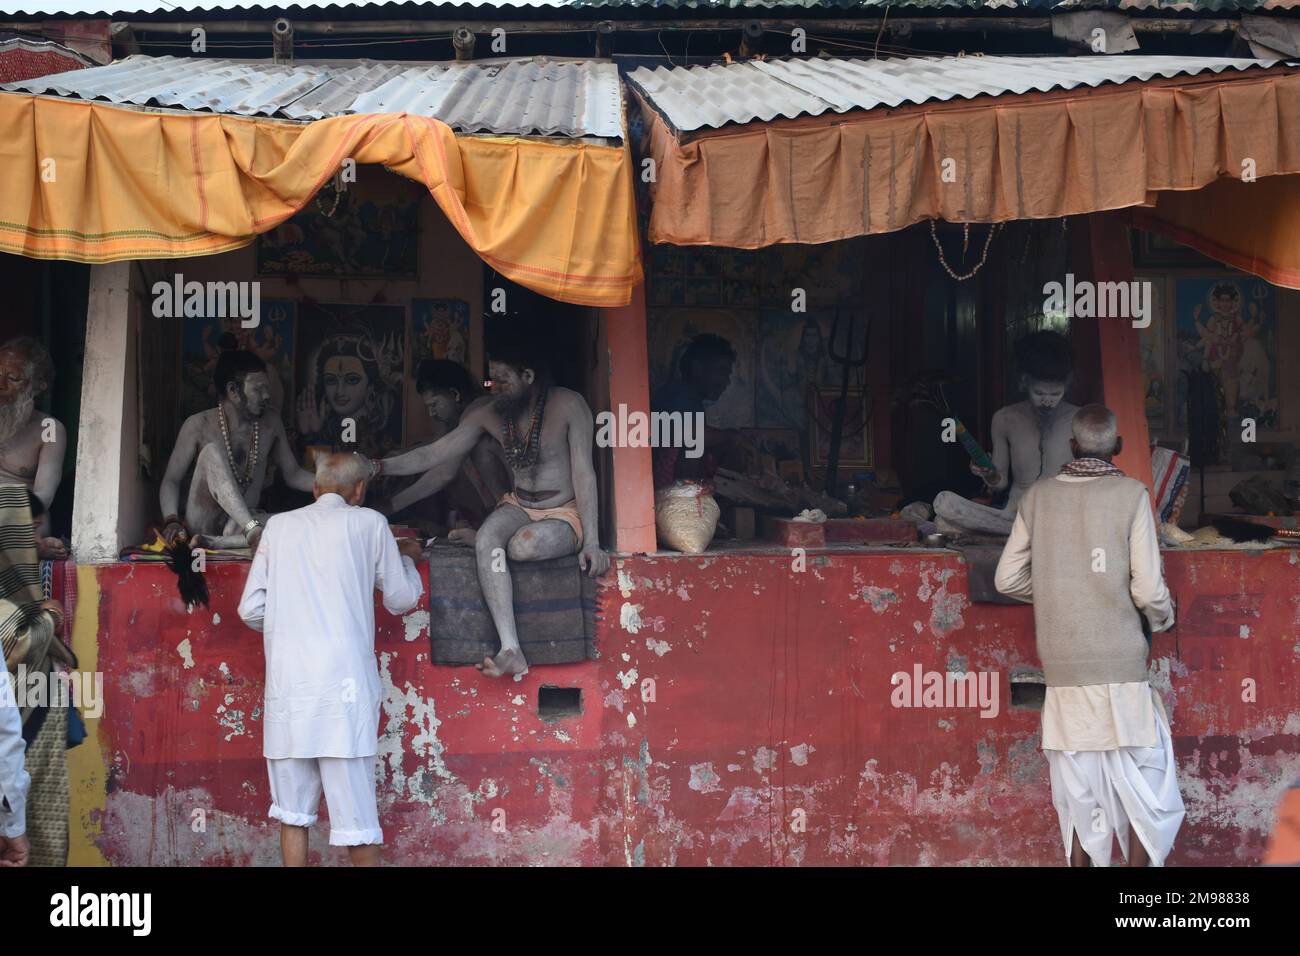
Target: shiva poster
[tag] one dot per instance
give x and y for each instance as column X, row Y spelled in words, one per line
column 350, row 365
column 792, row 357
column 1227, row 325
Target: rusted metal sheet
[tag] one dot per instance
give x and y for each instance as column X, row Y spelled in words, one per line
column 743, row 711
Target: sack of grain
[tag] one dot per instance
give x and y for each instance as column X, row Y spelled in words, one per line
column 686, row 516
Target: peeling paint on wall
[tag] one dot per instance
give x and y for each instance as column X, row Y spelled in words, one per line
column 414, row 624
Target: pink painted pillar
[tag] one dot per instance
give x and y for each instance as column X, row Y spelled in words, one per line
column 627, row 352
column 1118, row 358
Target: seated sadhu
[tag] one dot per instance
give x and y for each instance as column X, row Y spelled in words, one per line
column 546, row 434
column 1031, row 439
column 470, row 489
column 229, row 447
column 32, row 443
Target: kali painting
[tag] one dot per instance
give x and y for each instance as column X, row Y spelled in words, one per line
column 350, row 363
column 370, row 229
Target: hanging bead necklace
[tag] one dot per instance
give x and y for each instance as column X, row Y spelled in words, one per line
column 524, row 454
column 965, row 241
column 251, row 463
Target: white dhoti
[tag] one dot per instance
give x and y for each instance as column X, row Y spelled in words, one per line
column 1101, row 794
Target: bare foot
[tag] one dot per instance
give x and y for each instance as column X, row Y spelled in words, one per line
column 510, row 661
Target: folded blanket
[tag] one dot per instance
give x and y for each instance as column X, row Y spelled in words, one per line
column 555, row 610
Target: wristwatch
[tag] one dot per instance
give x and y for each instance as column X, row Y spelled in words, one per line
column 252, row 523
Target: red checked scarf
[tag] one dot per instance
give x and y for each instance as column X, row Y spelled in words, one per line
column 1090, row 468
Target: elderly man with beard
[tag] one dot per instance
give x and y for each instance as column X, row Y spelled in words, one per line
column 1031, row 439
column 546, row 433
column 32, row 446
column 229, row 447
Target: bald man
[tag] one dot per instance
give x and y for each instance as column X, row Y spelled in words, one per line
column 311, row 592
column 1083, row 551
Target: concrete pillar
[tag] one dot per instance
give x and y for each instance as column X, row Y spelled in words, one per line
column 107, row 470
column 629, row 384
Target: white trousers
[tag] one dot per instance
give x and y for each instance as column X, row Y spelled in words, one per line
column 349, row 787
column 1101, row 794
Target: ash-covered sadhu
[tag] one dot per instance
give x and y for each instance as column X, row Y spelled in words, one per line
column 546, row 434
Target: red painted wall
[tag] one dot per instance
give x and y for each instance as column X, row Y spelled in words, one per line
column 772, row 695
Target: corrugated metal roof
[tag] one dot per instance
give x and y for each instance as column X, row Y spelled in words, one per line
column 158, row 8
column 538, row 96
column 699, row 97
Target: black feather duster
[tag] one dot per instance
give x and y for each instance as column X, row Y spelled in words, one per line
column 193, row 589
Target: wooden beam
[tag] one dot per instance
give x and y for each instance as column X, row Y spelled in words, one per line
column 869, row 25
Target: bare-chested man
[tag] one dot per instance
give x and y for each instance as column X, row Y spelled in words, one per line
column 546, row 434
column 1031, row 439
column 32, row 444
column 229, row 447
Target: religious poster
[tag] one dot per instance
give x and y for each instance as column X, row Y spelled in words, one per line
column 370, row 228
column 856, row 445
column 703, row 276
column 1227, row 325
column 674, row 329
column 792, row 355
column 350, row 366
column 440, row 330
column 1151, row 347
column 829, row 274
column 202, row 342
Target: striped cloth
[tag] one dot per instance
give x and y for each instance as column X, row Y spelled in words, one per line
column 20, row 575
column 1169, row 474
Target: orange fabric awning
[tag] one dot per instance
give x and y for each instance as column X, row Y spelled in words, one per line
column 558, row 218
column 1154, row 144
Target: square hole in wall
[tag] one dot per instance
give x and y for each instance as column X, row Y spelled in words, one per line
column 556, row 703
column 1028, row 691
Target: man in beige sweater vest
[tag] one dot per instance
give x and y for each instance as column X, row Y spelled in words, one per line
column 1083, row 550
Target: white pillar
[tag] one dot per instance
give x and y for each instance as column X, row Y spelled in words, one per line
column 107, row 470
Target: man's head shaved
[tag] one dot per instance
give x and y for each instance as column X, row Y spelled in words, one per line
column 1095, row 431
column 340, row 472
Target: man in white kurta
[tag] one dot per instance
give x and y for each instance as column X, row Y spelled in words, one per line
column 1083, row 550
column 311, row 591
